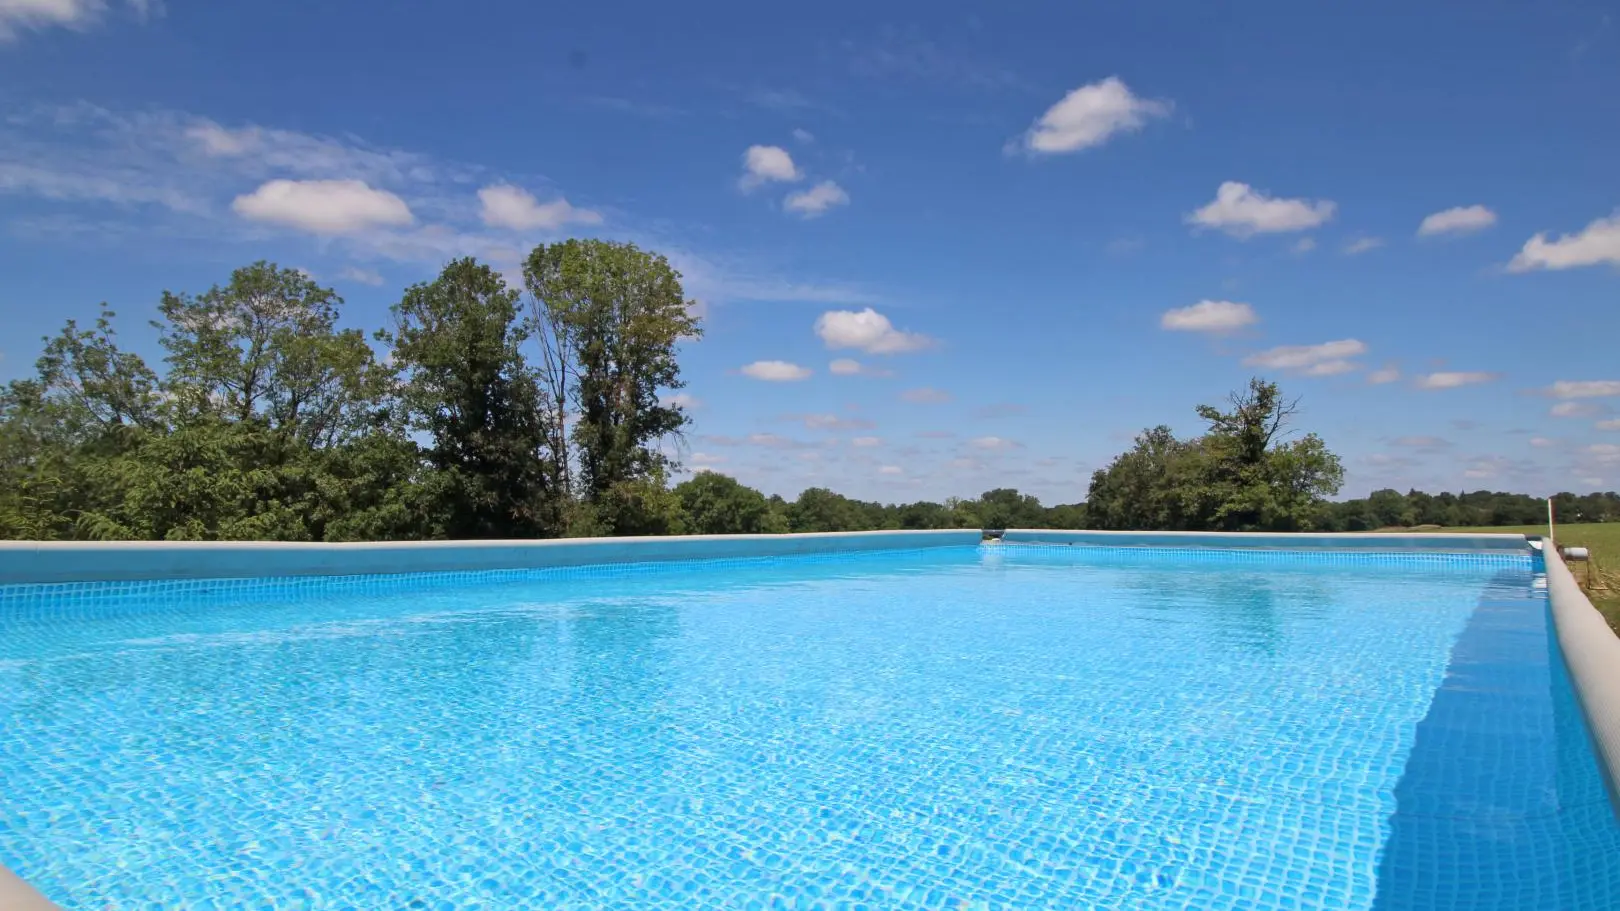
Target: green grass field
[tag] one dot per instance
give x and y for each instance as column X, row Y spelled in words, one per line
column 1601, row 576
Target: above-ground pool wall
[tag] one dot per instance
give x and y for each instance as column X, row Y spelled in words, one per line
column 35, row 562
column 1439, row 543
column 1592, row 655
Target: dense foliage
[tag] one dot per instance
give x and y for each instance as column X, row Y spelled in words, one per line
column 498, row 412
column 1240, row 475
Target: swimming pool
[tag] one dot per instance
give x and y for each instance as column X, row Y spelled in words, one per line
column 959, row 727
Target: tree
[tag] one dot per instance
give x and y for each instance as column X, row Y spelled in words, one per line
column 266, row 346
column 717, row 504
column 608, row 318
column 466, row 384
column 1239, row 476
column 819, row 509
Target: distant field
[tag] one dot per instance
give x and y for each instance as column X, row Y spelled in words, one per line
column 1600, row 577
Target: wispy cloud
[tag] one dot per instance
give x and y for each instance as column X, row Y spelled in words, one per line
column 1325, row 359
column 1453, row 379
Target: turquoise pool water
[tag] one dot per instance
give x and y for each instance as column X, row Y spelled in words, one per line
column 998, row 727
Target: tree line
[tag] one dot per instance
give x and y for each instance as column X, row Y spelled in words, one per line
column 488, row 411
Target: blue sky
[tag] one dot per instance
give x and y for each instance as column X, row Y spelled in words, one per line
column 1024, row 233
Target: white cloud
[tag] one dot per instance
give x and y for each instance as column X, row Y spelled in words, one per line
column 866, row 330
column 506, row 206
column 1584, row 389
column 817, row 200
column 1458, row 220
column 1304, row 245
column 764, row 164
column 1610, row 424
column 850, row 367
column 1452, row 379
column 1574, row 410
column 1089, row 116
column 1332, row 368
column 997, row 444
column 776, row 371
column 1209, row 316
column 926, row 395
column 1543, row 442
column 891, row 470
column 700, row 459
column 363, row 276
column 866, row 442
column 834, row 422
column 682, row 400
column 118, row 186
column 323, row 206
column 1598, row 242
column 1388, row 374
column 802, row 135
column 1362, row 245
column 1305, row 357
column 17, row 15
column 1242, row 211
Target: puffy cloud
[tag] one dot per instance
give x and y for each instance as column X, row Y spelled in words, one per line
column 776, row 371
column 865, row 330
column 1089, row 116
column 506, row 206
column 1242, row 211
column 925, row 395
column 1307, row 357
column 891, row 470
column 1209, row 316
column 802, row 135
column 1452, row 379
column 1610, row 424
column 323, row 206
column 1584, row 389
column 1388, row 374
column 1458, row 220
column 765, row 164
column 866, row 442
column 363, row 276
column 682, row 400
column 1597, row 243
column 815, row 201
column 1362, row 245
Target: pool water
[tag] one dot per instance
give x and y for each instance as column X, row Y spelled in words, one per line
column 996, row 727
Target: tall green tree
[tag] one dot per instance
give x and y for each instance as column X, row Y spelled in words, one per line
column 458, row 342
column 266, row 346
column 608, row 318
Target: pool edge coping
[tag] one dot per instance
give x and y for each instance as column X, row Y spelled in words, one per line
column 57, row 562
column 17, row 895
column 1591, row 653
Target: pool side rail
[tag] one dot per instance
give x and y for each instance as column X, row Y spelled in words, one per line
column 45, row 562
column 16, row 895
column 1363, row 542
column 1592, row 656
